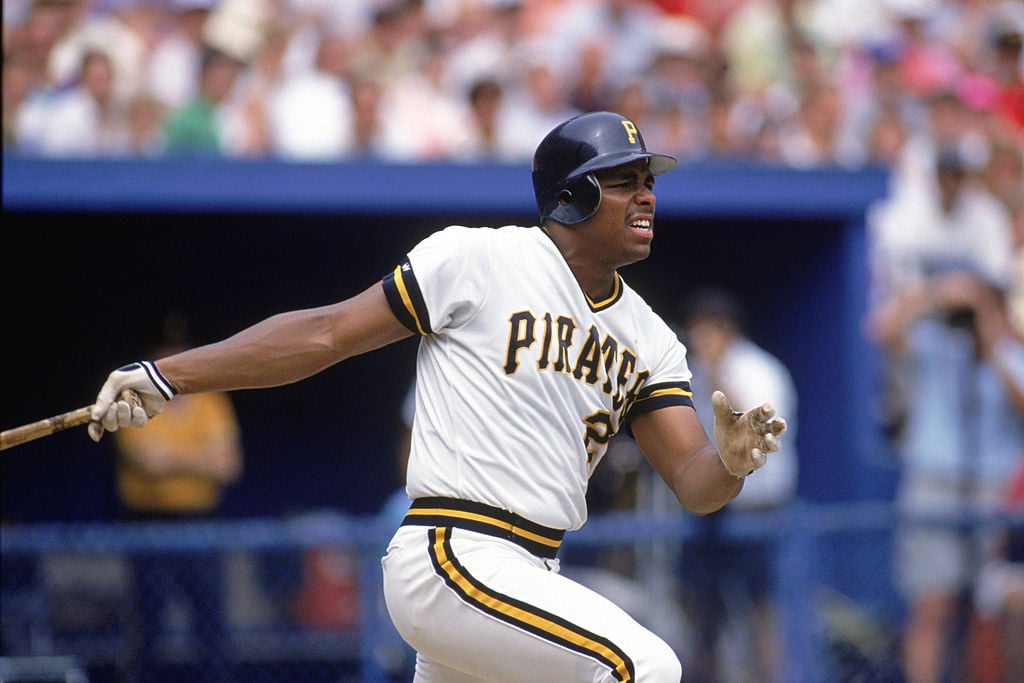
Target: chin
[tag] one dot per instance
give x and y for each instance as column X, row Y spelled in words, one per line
column 636, row 254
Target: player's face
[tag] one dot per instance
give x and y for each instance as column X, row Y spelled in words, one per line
column 624, row 222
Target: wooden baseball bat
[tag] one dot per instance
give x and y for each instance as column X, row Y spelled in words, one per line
column 58, row 423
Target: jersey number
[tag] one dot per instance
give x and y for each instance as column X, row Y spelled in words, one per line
column 599, row 431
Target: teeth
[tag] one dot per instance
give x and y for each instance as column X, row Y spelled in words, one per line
column 642, row 224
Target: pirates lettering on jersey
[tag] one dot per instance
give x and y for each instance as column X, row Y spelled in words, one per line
column 557, row 344
column 595, row 360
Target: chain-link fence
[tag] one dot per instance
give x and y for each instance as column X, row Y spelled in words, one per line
column 257, row 600
column 300, row 600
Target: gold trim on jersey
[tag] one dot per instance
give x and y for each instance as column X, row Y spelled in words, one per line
column 671, row 391
column 523, row 615
column 654, row 396
column 405, row 299
column 608, row 300
column 465, row 514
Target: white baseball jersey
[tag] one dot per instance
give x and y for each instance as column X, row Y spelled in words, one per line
column 521, row 378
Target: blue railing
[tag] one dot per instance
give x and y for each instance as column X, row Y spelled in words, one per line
column 824, row 552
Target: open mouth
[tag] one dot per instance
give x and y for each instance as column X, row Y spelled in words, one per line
column 643, row 226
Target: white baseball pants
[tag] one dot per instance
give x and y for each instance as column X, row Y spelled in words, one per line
column 480, row 608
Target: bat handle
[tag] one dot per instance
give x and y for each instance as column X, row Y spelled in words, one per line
column 58, row 423
column 35, row 430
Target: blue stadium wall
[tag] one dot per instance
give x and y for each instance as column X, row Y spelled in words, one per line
column 96, row 252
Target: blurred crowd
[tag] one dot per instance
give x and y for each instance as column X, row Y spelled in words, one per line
column 931, row 89
column 801, row 83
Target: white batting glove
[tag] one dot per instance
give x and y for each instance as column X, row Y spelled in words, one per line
column 744, row 440
column 112, row 409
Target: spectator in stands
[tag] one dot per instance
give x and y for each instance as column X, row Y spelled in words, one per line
column 1008, row 74
column 874, row 99
column 769, row 70
column 20, row 80
column 393, row 46
column 926, row 65
column 486, row 41
column 423, row 121
column 997, row 626
column 1003, row 176
column 119, row 29
column 620, row 29
column 757, row 42
column 721, row 140
column 256, row 88
column 482, row 140
column 145, row 115
column 528, row 115
column 885, row 140
column 174, row 63
column 33, row 35
column 665, row 127
column 200, row 126
column 1013, row 598
column 86, row 120
column 678, row 89
column 310, row 113
column 733, row 573
column 367, row 124
column 809, row 138
column 941, row 268
column 175, row 470
column 945, row 127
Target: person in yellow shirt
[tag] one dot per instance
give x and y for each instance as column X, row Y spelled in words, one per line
column 176, row 470
column 180, row 463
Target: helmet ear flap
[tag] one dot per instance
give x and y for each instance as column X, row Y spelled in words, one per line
column 578, row 200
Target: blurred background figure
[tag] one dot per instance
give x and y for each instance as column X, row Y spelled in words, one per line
column 174, row 62
column 176, row 470
column 144, row 114
column 703, row 595
column 200, row 126
column 86, row 119
column 941, row 270
column 483, row 137
column 728, row 585
column 310, row 112
column 537, row 107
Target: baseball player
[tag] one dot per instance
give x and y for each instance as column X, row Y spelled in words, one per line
column 534, row 352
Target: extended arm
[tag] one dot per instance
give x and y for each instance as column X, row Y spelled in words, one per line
column 282, row 349
column 702, row 476
column 287, row 347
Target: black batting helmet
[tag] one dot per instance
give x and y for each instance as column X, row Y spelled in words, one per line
column 565, row 161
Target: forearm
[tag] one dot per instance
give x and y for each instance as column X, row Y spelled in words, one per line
column 282, row 349
column 674, row 442
column 888, row 323
column 702, row 484
column 287, row 347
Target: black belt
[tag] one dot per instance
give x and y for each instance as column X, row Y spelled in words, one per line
column 484, row 519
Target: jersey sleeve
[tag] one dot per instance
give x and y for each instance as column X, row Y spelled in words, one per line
column 442, row 280
column 405, row 298
column 669, row 380
column 654, row 396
